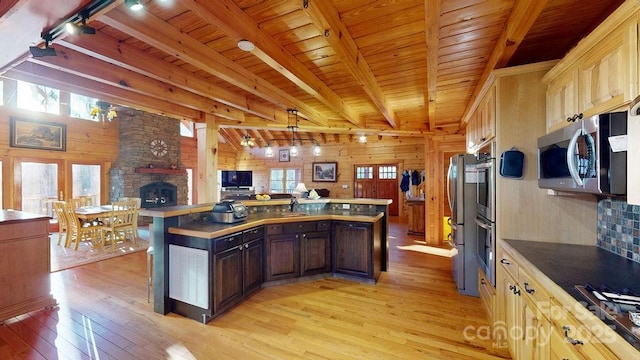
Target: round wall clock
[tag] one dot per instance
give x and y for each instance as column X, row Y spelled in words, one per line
column 158, row 147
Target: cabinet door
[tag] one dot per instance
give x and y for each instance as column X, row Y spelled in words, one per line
column 315, row 253
column 283, row 255
column 253, row 266
column 228, row 278
column 352, row 249
column 562, row 94
column 605, row 73
column 487, row 114
column 508, row 293
column 535, row 331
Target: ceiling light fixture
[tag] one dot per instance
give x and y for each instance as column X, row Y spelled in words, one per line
column 247, row 141
column 134, row 5
column 246, row 45
column 37, row 51
column 75, row 23
column 292, row 124
column 82, row 28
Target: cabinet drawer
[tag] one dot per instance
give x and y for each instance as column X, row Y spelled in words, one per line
column 274, row 229
column 535, row 292
column 580, row 339
column 252, row 234
column 300, row 227
column 323, row 225
column 487, row 294
column 227, row 242
column 507, row 262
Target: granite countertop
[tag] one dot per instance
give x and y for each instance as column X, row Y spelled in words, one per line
column 568, row 265
column 209, row 230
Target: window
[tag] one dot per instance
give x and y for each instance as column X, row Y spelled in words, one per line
column 38, row 98
column 80, row 107
column 364, row 172
column 387, row 172
column 186, row 128
column 1, row 93
column 284, row 180
column 86, row 182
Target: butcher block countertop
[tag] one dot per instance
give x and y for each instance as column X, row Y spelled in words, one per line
column 208, row 230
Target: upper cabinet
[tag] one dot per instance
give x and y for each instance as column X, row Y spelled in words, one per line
column 482, row 122
column 600, row 74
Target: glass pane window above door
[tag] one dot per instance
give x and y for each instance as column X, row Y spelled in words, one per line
column 86, row 182
column 38, row 98
column 387, row 172
column 364, row 172
column 80, row 107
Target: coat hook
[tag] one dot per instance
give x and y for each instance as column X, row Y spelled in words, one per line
column 305, row 4
column 326, row 32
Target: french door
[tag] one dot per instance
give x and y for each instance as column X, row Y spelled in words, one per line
column 377, row 182
column 38, row 183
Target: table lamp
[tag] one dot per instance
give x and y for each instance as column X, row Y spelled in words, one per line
column 302, row 189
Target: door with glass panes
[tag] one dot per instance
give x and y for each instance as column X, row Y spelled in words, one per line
column 377, row 182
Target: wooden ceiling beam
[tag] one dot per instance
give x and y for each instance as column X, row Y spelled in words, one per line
column 161, row 35
column 432, row 23
column 109, row 49
column 238, row 25
column 523, row 14
column 38, row 74
column 73, row 62
column 326, row 19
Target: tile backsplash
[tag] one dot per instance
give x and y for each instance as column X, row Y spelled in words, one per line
column 619, row 228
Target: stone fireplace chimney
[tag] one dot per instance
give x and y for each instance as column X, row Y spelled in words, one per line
column 149, row 152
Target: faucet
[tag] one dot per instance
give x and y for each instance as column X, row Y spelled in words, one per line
column 293, row 203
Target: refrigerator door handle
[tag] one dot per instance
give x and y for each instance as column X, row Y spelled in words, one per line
column 483, row 224
column 449, row 174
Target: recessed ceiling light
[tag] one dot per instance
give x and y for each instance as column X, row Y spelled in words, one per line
column 134, row 5
column 246, row 45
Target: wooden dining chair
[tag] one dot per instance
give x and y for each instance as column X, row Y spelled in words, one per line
column 138, row 202
column 63, row 224
column 80, row 231
column 119, row 222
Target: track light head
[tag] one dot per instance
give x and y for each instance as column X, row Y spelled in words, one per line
column 134, row 5
column 42, row 52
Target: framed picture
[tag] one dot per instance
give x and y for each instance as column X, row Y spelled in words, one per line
column 284, row 155
column 325, row 171
column 35, row 134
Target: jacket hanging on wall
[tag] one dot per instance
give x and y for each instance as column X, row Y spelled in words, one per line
column 415, row 177
column 404, row 183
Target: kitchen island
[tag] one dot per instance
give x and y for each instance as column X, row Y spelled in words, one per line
column 190, row 227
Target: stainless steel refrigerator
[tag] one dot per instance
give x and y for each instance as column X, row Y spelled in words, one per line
column 461, row 191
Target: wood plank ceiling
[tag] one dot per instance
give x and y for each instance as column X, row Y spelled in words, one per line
column 350, row 67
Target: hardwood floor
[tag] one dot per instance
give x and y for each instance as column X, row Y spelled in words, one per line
column 413, row 312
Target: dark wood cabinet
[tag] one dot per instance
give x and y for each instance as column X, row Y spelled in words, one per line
column 315, row 253
column 353, row 249
column 238, row 270
column 228, row 278
column 253, row 266
column 282, row 256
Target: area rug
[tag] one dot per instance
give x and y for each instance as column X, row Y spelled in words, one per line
column 65, row 258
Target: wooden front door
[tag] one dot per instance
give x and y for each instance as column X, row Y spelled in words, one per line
column 377, row 182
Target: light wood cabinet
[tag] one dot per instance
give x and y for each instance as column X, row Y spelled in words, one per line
column 562, row 95
column 600, row 74
column 481, row 126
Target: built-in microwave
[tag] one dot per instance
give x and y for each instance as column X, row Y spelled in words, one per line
column 485, row 176
column 588, row 155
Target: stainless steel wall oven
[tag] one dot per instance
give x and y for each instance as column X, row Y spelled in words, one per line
column 485, row 212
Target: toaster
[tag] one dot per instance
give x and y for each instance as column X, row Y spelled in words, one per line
column 229, row 211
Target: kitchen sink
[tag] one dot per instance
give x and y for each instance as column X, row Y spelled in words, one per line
column 293, row 214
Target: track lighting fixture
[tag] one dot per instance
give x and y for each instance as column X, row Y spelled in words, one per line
column 134, row 5
column 37, row 51
column 74, row 24
column 82, row 28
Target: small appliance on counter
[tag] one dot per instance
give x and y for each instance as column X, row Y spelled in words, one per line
column 229, row 212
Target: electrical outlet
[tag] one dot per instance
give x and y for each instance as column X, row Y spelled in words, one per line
column 346, row 206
